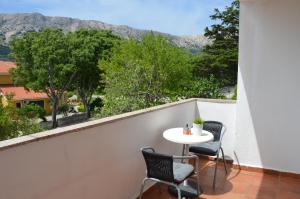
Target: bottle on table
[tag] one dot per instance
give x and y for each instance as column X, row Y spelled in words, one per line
column 187, row 130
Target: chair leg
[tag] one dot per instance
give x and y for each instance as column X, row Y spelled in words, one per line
column 215, row 174
column 178, row 192
column 225, row 164
column 159, row 187
column 199, row 190
column 142, row 188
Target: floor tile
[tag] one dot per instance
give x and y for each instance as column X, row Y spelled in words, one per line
column 238, row 184
column 288, row 195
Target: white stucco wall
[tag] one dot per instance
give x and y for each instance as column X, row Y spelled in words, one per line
column 225, row 113
column 97, row 159
column 268, row 105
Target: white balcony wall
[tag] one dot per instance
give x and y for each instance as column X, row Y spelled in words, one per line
column 97, row 159
column 268, row 85
column 225, row 112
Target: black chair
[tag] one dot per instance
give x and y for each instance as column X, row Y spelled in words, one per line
column 163, row 169
column 212, row 148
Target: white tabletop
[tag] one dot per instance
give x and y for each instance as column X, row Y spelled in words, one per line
column 176, row 135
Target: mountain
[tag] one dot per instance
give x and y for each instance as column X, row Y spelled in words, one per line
column 14, row 25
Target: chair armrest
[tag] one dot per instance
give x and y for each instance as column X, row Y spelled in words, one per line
column 147, row 148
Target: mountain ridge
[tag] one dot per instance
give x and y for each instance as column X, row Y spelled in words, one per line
column 15, row 24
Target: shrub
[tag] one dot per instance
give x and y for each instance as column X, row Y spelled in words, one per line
column 63, row 109
column 80, row 108
column 14, row 123
column 96, row 104
column 70, row 94
column 32, row 111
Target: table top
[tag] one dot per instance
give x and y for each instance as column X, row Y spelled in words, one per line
column 176, row 135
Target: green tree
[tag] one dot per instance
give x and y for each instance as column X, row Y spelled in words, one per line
column 204, row 88
column 44, row 64
column 220, row 58
column 88, row 47
column 143, row 74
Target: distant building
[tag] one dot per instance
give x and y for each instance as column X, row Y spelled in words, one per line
column 5, row 78
column 20, row 96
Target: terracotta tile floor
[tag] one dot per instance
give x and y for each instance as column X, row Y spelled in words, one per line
column 238, row 184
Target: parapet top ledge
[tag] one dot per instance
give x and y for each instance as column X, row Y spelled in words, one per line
column 91, row 124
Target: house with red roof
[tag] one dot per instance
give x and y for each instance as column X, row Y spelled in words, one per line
column 20, row 96
column 5, row 77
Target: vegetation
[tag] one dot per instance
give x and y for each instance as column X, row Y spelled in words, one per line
column 143, row 74
column 128, row 74
column 44, row 64
column 234, row 93
column 33, row 111
column 221, row 57
column 80, row 108
column 198, row 120
column 96, row 104
column 88, row 47
column 13, row 123
column 204, row 87
column 64, row 109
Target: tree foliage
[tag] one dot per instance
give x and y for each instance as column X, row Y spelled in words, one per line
column 143, row 74
column 205, row 87
column 221, row 57
column 87, row 48
column 44, row 64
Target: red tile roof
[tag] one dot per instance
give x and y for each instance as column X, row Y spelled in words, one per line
column 21, row 94
column 5, row 66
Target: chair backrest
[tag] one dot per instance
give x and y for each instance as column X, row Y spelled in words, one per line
column 159, row 166
column 216, row 128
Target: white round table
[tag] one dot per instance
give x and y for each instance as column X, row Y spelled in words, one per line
column 176, row 135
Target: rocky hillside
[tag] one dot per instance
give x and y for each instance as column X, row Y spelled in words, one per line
column 13, row 25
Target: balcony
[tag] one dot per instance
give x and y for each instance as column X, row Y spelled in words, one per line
column 96, row 158
column 101, row 158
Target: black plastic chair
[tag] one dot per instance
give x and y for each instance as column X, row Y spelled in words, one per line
column 212, row 148
column 162, row 168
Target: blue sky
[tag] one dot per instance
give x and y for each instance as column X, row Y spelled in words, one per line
column 179, row 17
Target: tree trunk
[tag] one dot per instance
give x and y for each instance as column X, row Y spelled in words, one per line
column 86, row 102
column 87, row 109
column 54, row 112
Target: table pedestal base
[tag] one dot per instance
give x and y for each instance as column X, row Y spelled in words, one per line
column 188, row 189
